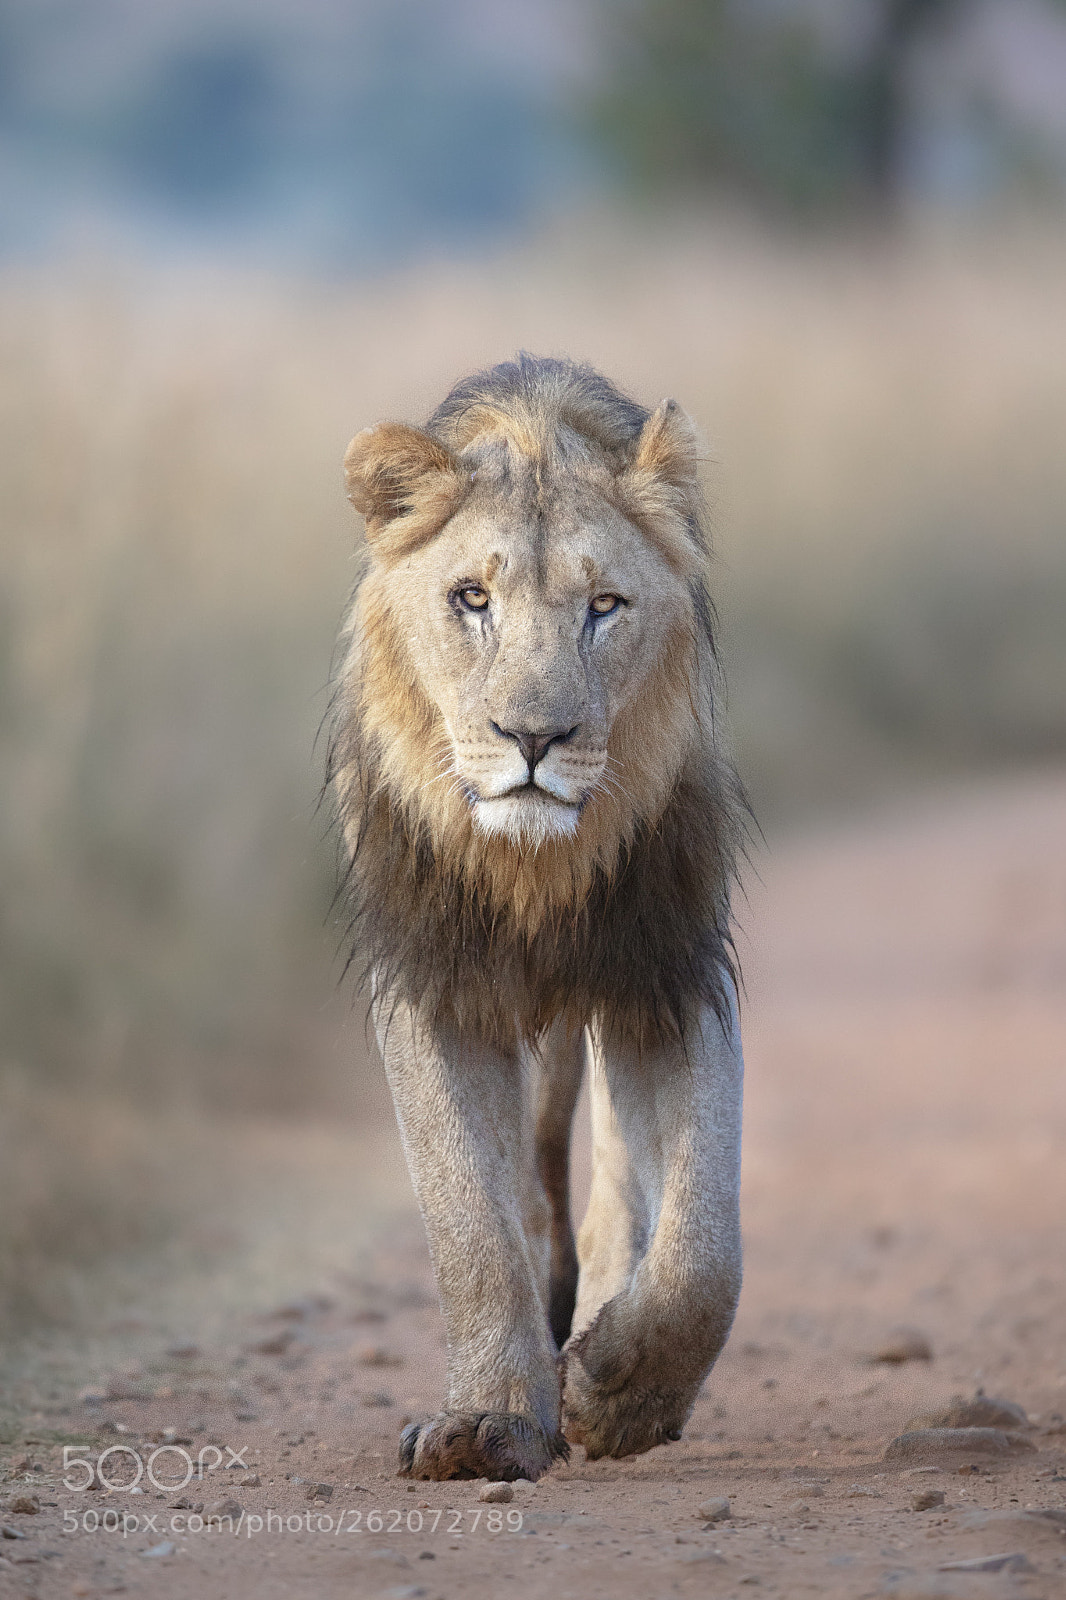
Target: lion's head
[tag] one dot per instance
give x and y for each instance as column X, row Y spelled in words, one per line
column 530, row 671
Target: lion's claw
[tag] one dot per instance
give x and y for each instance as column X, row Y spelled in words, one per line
column 498, row 1445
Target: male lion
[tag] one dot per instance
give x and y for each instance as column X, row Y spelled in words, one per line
column 540, row 831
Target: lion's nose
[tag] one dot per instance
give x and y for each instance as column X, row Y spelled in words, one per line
column 533, row 745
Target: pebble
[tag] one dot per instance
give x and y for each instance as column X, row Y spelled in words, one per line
column 904, row 1344
column 716, row 1510
column 375, row 1355
column 1010, row 1519
column 26, row 1505
column 251, row 1480
column 955, row 1442
column 320, row 1491
column 123, row 1388
column 159, row 1550
column 276, row 1345
column 495, row 1494
column 223, row 1508
column 981, row 1412
column 1011, row 1561
column 927, row 1499
column 798, row 1507
column 7, row 1532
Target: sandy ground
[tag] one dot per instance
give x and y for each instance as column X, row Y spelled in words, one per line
column 905, row 1166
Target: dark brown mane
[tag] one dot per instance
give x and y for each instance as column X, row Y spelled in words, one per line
column 648, row 944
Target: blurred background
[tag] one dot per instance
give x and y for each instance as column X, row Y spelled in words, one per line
column 233, row 233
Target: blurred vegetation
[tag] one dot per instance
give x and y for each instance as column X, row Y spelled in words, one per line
column 769, row 103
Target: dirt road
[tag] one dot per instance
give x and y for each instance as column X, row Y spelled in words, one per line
column 905, row 1167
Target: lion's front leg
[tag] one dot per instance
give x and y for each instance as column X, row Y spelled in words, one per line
column 461, row 1113
column 634, row 1370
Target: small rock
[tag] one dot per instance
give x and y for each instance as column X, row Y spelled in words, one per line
column 7, row 1532
column 294, row 1311
column 306, row 1306
column 1011, row 1519
column 927, row 1499
column 378, row 1398
column 159, row 1550
column 798, row 1507
column 716, row 1510
column 426, row 1555
column 955, row 1442
column 92, row 1394
column 1011, row 1561
column 320, row 1491
column 375, row 1355
column 693, row 1558
column 496, row 1493
column 980, row 1412
column 122, row 1388
column 223, row 1508
column 26, row 1505
column 251, row 1480
column 904, row 1344
column 276, row 1345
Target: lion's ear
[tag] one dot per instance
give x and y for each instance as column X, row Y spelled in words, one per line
column 395, row 472
column 659, row 486
column 668, row 447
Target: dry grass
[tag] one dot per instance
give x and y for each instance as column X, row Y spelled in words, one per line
column 888, row 422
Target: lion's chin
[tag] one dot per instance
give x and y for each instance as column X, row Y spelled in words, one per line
column 527, row 820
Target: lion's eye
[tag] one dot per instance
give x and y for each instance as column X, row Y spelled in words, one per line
column 474, row 597
column 603, row 604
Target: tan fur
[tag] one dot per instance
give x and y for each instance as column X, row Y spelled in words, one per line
column 501, row 894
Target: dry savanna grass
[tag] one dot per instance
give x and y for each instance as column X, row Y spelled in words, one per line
column 885, row 420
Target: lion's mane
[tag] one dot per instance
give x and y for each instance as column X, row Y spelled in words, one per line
column 633, row 929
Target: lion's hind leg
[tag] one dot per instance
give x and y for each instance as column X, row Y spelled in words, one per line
column 650, row 1328
column 557, row 1065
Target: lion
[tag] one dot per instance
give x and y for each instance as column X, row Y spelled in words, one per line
column 539, row 830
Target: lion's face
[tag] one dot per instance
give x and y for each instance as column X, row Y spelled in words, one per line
column 532, row 630
column 527, row 634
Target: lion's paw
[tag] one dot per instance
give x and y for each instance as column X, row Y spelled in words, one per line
column 623, row 1424
column 620, row 1417
column 499, row 1445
